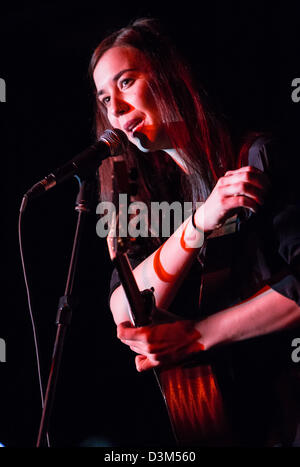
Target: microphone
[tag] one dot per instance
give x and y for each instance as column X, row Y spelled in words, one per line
column 111, row 143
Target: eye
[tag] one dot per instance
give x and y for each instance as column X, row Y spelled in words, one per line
column 105, row 100
column 125, row 83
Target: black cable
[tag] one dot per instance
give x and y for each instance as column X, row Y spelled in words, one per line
column 22, row 208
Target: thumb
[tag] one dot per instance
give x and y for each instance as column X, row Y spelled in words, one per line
column 142, row 363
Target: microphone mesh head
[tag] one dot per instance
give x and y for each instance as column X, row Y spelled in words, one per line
column 116, row 140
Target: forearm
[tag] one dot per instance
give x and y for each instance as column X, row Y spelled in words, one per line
column 164, row 270
column 266, row 312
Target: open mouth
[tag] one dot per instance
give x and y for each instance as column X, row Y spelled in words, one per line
column 134, row 125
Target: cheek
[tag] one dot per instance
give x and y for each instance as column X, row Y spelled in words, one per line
column 113, row 121
column 147, row 100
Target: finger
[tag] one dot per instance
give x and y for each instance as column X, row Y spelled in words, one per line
column 161, row 337
column 143, row 363
column 261, row 180
column 136, row 349
column 244, row 189
column 246, row 168
column 126, row 330
column 253, row 176
column 233, row 204
column 170, row 354
column 158, row 350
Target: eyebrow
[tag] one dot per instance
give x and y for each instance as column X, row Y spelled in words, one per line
column 116, row 77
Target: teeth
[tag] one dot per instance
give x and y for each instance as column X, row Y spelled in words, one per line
column 134, row 125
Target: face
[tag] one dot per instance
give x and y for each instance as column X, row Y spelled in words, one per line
column 122, row 79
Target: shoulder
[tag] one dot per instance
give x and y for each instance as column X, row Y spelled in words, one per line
column 279, row 158
column 275, row 156
column 260, row 152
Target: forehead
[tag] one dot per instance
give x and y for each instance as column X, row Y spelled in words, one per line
column 115, row 60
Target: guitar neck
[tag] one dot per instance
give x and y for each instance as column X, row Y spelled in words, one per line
column 137, row 305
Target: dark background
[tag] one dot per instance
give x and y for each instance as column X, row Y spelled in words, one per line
column 246, row 55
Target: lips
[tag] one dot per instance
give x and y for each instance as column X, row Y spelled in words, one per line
column 132, row 124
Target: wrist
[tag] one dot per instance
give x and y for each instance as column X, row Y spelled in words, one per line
column 203, row 328
column 198, row 221
column 192, row 238
column 209, row 332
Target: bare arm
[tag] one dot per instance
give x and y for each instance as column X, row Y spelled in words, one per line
column 266, row 312
column 165, row 270
column 156, row 345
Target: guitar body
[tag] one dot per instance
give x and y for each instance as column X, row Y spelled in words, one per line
column 195, row 405
column 194, row 390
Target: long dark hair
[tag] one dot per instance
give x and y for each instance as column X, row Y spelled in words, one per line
column 208, row 154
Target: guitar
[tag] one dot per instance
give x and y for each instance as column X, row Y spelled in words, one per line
column 191, row 389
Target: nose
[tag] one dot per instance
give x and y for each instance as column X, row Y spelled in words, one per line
column 118, row 106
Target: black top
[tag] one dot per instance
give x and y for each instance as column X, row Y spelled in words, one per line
column 262, row 384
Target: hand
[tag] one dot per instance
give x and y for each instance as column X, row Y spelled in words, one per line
column 241, row 188
column 160, row 344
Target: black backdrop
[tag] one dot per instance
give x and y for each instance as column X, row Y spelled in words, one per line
column 246, row 55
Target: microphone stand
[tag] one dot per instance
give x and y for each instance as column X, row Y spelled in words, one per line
column 64, row 312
